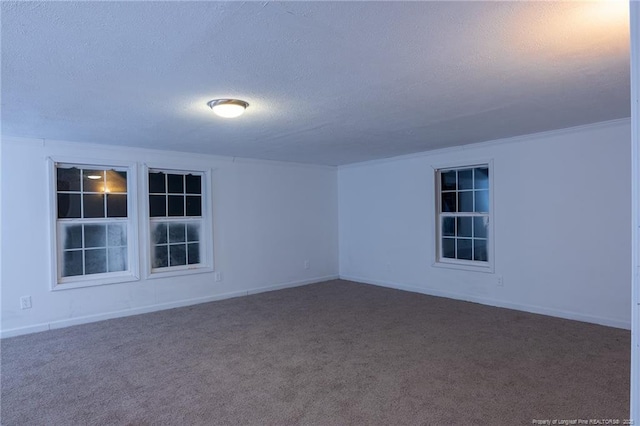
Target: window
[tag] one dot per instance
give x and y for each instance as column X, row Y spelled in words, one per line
column 464, row 216
column 177, row 228
column 92, row 225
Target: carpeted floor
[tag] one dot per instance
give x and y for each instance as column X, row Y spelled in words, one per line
column 334, row 353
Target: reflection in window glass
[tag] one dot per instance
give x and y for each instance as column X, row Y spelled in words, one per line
column 93, row 181
column 449, row 248
column 175, row 209
column 68, row 179
column 116, row 205
column 449, row 181
column 95, row 235
column 160, row 257
column 177, row 232
column 465, row 201
column 72, row 263
column 93, row 205
column 92, row 220
column 481, row 201
column 463, row 212
column 449, row 226
column 95, row 261
column 69, row 206
column 72, row 237
column 465, row 179
column 481, row 178
column 464, row 250
column 175, row 184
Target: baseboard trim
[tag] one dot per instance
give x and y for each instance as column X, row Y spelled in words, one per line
column 153, row 308
column 576, row 316
column 291, row 284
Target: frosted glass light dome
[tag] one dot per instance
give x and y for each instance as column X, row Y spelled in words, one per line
column 228, row 108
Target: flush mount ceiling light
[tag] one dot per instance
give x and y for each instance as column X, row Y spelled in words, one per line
column 228, row 108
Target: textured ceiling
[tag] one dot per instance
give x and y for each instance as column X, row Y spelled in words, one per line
column 328, row 82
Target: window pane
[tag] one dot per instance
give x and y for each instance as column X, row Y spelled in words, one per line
column 93, row 181
column 159, row 233
column 116, row 181
column 116, row 205
column 194, row 205
column 68, row 206
column 95, row 261
column 193, row 253
column 93, row 205
column 193, row 184
column 117, row 259
column 482, row 201
column 464, row 249
column 72, row 263
column 68, row 179
column 465, row 226
column 465, row 179
column 116, row 235
column 449, row 202
column 176, row 233
column 157, row 182
column 160, row 257
column 178, row 254
column 448, row 226
column 465, row 201
column 95, row 236
column 480, row 225
column 176, row 205
column 449, row 248
column 193, row 232
column 448, row 181
column 480, row 250
column 175, row 184
column 481, row 176
column 157, row 205
column 72, row 236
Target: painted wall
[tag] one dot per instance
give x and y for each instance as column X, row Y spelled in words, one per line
column 268, row 218
column 561, row 223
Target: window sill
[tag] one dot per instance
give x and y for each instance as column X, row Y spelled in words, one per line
column 72, row 283
column 179, row 271
column 465, row 266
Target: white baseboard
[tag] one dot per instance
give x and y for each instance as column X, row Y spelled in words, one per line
column 291, row 284
column 153, row 308
column 610, row 322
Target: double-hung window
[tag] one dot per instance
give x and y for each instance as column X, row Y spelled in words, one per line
column 93, row 229
column 179, row 220
column 464, row 217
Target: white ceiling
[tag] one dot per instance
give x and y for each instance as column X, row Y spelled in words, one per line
column 328, row 82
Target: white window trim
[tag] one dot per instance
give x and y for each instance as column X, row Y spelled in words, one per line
column 206, row 244
column 465, row 265
column 58, row 283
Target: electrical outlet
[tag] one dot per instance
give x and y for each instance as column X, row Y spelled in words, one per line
column 500, row 281
column 25, row 302
column 306, row 264
column 217, row 276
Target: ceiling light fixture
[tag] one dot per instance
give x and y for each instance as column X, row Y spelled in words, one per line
column 228, row 108
column 94, row 177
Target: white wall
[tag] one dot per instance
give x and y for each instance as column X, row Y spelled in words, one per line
column 269, row 218
column 561, row 222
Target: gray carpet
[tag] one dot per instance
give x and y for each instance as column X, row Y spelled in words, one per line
column 333, row 353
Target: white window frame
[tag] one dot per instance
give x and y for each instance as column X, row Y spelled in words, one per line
column 206, row 264
column 58, row 282
column 468, row 265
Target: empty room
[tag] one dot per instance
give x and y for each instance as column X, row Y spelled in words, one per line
column 319, row 213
